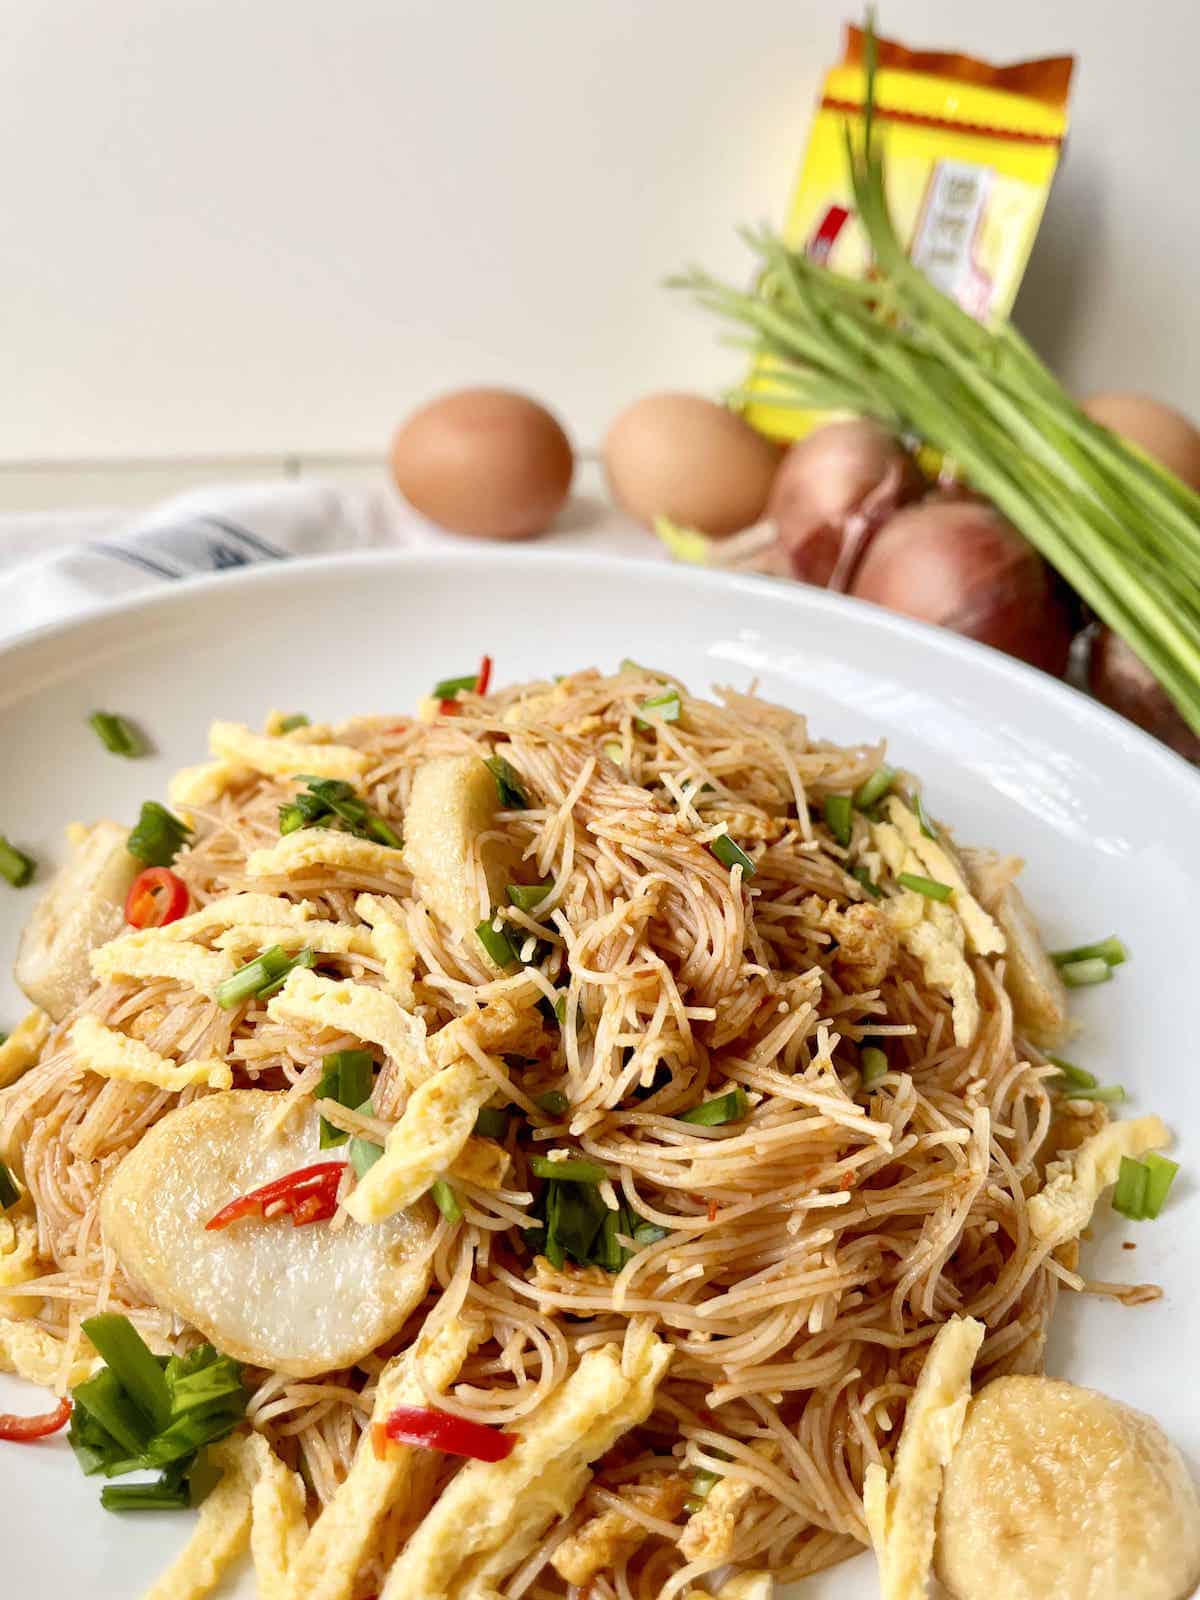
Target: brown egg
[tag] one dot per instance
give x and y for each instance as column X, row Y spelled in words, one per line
column 488, row 462
column 1167, row 435
column 687, row 458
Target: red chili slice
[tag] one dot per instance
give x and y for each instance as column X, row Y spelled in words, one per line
column 20, row 1430
column 457, row 1436
column 156, row 897
column 485, row 675
column 306, row 1195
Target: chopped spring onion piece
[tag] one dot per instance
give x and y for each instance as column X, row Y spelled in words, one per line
column 648, row 1233
column 383, row 832
column 929, row 887
column 615, row 751
column 491, row 1122
column 446, row 1201
column 873, row 789
column 157, row 836
column 1129, row 1196
column 133, row 1364
column 703, row 1480
column 553, row 1102
column 863, row 877
column 327, row 798
column 873, row 1062
column 15, row 865
column 927, row 827
column 115, row 733
column 296, row 720
column 447, row 688
column 665, row 707
column 1161, row 1175
column 1109, row 1094
column 168, row 1493
column 731, row 854
column 1082, row 974
column 497, row 943
column 839, row 817
column 569, row 1171
column 1110, row 950
column 528, row 896
column 346, row 1079
column 1074, row 1077
column 260, row 977
column 105, row 1400
column 508, row 785
column 9, row 1193
column 364, row 1153
column 729, row 1107
column 560, row 1010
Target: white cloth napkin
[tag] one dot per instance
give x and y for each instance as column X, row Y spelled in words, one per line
column 55, row 565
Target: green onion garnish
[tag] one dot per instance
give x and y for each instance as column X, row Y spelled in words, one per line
column 346, row 1079
column 615, row 751
column 9, row 1193
column 383, row 832
column 839, row 817
column 554, row 1102
column 731, row 854
column 1082, row 974
column 873, row 789
column 133, row 1364
column 729, row 1107
column 1111, row 1094
column 863, row 877
column 1129, row 1196
column 446, row 1200
column 491, row 1122
column 168, row 1493
column 569, row 1171
column 157, row 836
column 1074, row 1077
column 106, row 1401
column 508, row 785
column 1111, row 951
column 447, row 688
column 260, row 977
column 927, row 827
column 115, row 733
column 648, row 1233
column 330, row 798
column 664, row 707
column 364, row 1153
column 15, row 865
column 873, row 1064
column 1161, row 1175
column 497, row 943
column 929, row 887
column 528, row 896
column 296, row 720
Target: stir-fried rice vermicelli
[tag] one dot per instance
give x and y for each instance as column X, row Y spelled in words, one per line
column 798, row 1258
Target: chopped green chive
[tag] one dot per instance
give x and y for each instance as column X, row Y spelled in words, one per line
column 1129, row 1196
column 136, row 1368
column 839, row 817
column 873, row 789
column 929, row 887
column 497, row 943
column 731, row 854
column 15, row 865
column 446, row 1200
column 9, row 1193
column 615, row 751
column 508, row 785
column 729, row 1107
column 1110, row 1094
column 167, row 1493
column 347, row 1079
column 554, row 1102
column 296, row 720
column 528, row 896
column 648, row 1233
column 1073, row 1077
column 491, row 1122
column 157, row 836
column 383, row 832
column 115, row 733
column 927, row 827
column 1082, row 974
column 106, row 1401
column 665, row 707
column 1111, row 951
column 328, row 798
column 261, row 977
column 1161, row 1175
column 873, row 1064
column 863, row 877
column 447, row 688
column 568, row 1171
column 364, row 1153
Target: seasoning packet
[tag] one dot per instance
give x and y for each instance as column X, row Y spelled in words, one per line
column 970, row 150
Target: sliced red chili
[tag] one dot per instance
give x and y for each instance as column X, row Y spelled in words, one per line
column 485, row 675
column 307, row 1195
column 20, row 1430
column 450, row 708
column 457, row 1436
column 156, row 897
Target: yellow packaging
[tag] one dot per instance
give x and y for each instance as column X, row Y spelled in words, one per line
column 969, row 153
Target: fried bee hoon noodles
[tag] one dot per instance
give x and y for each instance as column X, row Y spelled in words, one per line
column 692, row 923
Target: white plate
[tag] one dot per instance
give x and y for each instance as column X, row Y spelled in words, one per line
column 1104, row 817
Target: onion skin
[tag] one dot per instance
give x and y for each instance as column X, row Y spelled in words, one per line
column 832, row 491
column 1125, row 684
column 961, row 566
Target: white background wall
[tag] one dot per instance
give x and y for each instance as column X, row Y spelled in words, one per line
column 272, row 226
